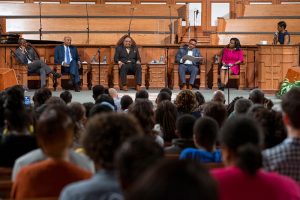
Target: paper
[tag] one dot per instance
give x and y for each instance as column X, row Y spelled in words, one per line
column 192, row 58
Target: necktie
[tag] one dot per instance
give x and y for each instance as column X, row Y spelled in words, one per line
column 28, row 56
column 67, row 55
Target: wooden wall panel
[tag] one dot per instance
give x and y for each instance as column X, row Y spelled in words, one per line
column 272, row 10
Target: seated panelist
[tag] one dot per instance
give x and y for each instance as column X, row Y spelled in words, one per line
column 188, row 58
column 128, row 58
column 67, row 56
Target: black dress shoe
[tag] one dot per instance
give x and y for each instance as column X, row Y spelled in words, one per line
column 77, row 89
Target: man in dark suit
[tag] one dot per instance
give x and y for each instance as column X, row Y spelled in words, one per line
column 26, row 55
column 186, row 65
column 128, row 58
column 67, row 56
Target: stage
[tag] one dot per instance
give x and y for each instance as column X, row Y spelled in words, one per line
column 86, row 95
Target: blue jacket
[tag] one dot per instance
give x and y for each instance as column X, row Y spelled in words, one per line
column 184, row 51
column 59, row 54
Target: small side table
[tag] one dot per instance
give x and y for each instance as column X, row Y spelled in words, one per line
column 157, row 75
column 103, row 73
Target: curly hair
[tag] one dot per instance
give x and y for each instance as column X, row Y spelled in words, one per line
column 104, row 135
column 165, row 116
column 121, row 40
column 186, row 101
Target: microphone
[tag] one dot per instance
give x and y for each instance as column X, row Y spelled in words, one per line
column 131, row 16
column 276, row 34
column 197, row 12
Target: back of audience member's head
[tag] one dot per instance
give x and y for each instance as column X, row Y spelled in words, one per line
column 142, row 109
column 216, row 111
column 206, row 133
column 165, row 116
column 167, row 90
column 257, row 96
column 162, row 96
column 241, row 139
column 105, row 133
column 113, row 92
column 230, row 106
column 186, row 101
column 55, row 101
column 184, row 126
column 136, row 156
column 97, row 90
column 66, row 96
column 126, row 101
column 103, row 107
column 88, row 106
column 200, row 98
column 242, row 106
column 105, row 98
column 142, row 94
column 78, row 111
column 176, row 180
column 291, row 107
column 218, row 96
column 272, row 125
column 55, row 130
column 41, row 96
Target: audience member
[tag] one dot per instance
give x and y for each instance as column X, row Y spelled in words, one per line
column 176, row 180
column 200, row 98
column 167, row 90
column 241, row 107
column 218, row 96
column 142, row 109
column 216, row 111
column 230, row 106
column 114, row 94
column 165, row 119
column 41, row 96
column 141, row 94
column 241, row 140
column 135, row 157
column 162, row 96
column 55, row 135
column 97, row 91
column 186, row 103
column 104, row 135
column 257, row 96
column 66, row 96
column 88, row 106
column 126, row 101
column 285, row 157
column 184, row 132
column 205, row 138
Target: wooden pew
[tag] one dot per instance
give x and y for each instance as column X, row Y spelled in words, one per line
column 271, row 10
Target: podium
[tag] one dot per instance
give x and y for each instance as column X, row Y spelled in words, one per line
column 157, row 75
column 274, row 61
column 7, row 78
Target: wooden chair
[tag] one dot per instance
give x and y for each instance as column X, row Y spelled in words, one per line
column 83, row 71
column 201, row 76
column 23, row 76
column 116, row 76
column 241, row 77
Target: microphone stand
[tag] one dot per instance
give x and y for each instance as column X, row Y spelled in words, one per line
column 131, row 16
column 99, row 65
column 171, row 25
column 40, row 30
column 88, row 24
column 228, row 90
column 166, row 66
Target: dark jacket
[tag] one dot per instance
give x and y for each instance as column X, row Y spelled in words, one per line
column 122, row 55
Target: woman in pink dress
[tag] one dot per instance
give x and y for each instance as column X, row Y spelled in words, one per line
column 232, row 56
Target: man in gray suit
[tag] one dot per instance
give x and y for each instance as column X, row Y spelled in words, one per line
column 25, row 54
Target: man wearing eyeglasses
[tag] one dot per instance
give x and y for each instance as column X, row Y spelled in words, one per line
column 188, row 58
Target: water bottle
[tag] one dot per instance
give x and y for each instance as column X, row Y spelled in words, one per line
column 216, row 59
column 162, row 59
column 104, row 60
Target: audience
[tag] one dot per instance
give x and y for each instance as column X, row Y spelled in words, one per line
column 285, row 157
column 114, row 94
column 257, row 96
column 141, row 94
column 205, row 138
column 126, row 101
column 55, row 135
column 184, row 132
column 162, row 96
column 215, row 110
column 241, row 140
column 97, row 91
column 104, row 135
column 186, row 103
column 219, row 97
column 40, row 96
column 241, row 107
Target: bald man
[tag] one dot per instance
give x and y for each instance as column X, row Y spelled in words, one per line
column 67, row 56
